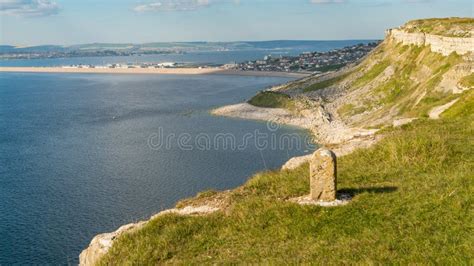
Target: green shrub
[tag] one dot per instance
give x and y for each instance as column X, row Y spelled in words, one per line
column 270, row 99
column 370, row 75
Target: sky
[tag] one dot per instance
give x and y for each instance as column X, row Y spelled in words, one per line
column 66, row 22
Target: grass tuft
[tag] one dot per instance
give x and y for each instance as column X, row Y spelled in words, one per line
column 468, row 81
column 370, row 75
column 326, row 83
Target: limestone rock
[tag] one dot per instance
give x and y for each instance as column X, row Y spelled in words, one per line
column 102, row 243
column 323, row 175
column 439, row 44
column 296, row 162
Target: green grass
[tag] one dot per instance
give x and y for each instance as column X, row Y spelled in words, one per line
column 392, row 89
column 345, row 109
column 412, row 203
column 270, row 99
column 409, row 80
column 325, row 83
column 467, row 81
column 370, row 75
column 463, row 109
column 442, row 26
column 350, row 109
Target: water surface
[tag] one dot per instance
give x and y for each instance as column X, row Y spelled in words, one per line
column 75, row 158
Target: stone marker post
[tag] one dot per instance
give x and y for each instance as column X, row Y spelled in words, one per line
column 323, row 175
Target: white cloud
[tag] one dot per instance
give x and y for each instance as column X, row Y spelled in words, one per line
column 187, row 5
column 29, row 7
column 371, row 2
column 416, row 1
column 172, row 5
column 327, row 1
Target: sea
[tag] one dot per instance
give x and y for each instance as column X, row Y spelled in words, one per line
column 83, row 154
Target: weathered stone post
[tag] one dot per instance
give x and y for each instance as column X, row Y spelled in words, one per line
column 323, row 175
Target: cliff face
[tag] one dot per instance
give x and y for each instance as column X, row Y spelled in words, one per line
column 418, row 67
column 439, row 44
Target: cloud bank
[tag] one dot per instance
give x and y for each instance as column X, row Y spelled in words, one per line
column 190, row 5
column 172, row 5
column 327, row 1
column 29, row 8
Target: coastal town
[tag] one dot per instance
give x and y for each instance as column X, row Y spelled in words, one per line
column 128, row 65
column 308, row 62
column 313, row 62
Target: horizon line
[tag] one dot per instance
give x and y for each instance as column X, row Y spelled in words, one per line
column 142, row 43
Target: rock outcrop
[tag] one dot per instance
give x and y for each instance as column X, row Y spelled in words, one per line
column 101, row 244
column 295, row 162
column 439, row 44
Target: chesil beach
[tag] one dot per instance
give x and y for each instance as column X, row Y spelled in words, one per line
column 156, row 71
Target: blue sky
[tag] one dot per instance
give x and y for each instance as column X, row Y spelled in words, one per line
column 33, row 22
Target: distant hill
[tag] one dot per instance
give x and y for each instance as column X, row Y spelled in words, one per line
column 32, row 49
column 171, row 46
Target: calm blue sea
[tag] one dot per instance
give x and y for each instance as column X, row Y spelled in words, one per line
column 80, row 154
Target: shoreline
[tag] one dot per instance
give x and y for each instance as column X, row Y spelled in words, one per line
column 326, row 130
column 332, row 133
column 347, row 141
column 153, row 71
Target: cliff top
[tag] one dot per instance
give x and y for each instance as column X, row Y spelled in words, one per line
column 449, row 27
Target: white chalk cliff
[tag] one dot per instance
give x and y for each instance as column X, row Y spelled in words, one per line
column 439, row 44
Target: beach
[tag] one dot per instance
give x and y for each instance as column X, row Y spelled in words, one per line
column 156, row 71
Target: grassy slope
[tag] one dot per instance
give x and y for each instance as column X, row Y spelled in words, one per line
column 271, row 99
column 411, row 89
column 468, row 81
column 409, row 80
column 325, row 83
column 412, row 203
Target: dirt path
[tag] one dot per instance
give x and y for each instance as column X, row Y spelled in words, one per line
column 437, row 111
